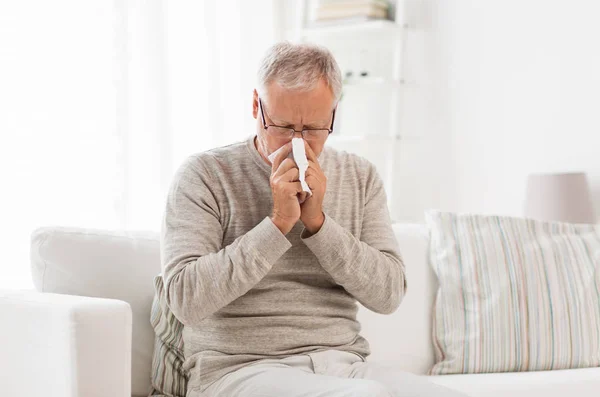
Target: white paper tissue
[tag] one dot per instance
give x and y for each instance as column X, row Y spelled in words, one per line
column 298, row 153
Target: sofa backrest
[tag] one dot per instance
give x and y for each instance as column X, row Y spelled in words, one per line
column 404, row 337
column 104, row 264
column 122, row 265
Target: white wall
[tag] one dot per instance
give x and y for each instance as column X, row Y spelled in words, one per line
column 522, row 95
column 496, row 89
column 422, row 178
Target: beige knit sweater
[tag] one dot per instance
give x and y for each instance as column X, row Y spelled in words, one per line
column 244, row 291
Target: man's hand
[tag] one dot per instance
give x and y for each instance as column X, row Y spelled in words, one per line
column 285, row 188
column 312, row 208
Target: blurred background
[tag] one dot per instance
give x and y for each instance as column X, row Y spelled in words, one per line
column 457, row 102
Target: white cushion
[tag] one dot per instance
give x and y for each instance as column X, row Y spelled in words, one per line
column 96, row 263
column 404, row 337
column 583, row 382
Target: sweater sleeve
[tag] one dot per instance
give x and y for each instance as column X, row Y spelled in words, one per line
column 200, row 275
column 370, row 268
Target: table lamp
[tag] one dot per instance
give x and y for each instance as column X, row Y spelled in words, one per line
column 561, row 197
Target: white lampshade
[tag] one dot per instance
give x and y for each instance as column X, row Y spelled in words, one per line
column 559, row 197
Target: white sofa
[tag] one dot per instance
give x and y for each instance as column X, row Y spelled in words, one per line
column 95, row 338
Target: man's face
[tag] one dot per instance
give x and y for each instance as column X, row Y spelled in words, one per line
column 298, row 110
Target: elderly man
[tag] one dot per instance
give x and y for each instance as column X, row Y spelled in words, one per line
column 265, row 278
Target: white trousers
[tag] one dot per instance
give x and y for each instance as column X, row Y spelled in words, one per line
column 329, row 373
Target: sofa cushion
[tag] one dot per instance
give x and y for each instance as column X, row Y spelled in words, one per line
column 168, row 376
column 569, row 382
column 515, row 294
column 117, row 265
column 403, row 338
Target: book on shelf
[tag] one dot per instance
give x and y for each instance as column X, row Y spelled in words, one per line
column 374, row 9
column 340, row 22
column 369, row 12
column 380, row 3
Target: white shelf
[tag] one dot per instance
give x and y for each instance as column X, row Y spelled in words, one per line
column 377, row 25
column 362, row 138
column 376, row 46
column 370, row 81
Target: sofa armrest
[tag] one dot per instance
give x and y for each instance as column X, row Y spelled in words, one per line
column 55, row 345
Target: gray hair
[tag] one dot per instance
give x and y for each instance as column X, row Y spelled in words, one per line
column 299, row 67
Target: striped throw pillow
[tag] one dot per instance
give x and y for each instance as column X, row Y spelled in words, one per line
column 514, row 294
column 168, row 376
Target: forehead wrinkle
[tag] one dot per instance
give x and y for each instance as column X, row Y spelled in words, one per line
column 297, row 109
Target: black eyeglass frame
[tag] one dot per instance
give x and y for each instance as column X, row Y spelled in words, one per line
column 292, row 130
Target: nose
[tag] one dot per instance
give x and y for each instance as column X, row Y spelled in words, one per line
column 298, row 134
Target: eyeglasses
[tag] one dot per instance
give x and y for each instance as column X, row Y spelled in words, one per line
column 287, row 133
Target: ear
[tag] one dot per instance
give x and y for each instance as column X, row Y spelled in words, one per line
column 255, row 104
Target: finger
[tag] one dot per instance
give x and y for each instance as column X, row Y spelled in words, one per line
column 310, row 154
column 314, row 165
column 292, row 175
column 314, row 173
column 302, row 196
column 283, row 153
column 285, row 166
column 310, row 181
column 313, row 182
column 293, row 188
